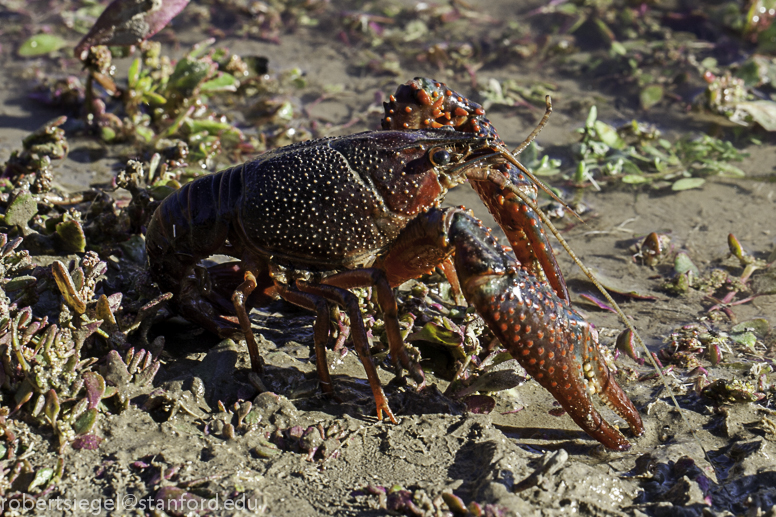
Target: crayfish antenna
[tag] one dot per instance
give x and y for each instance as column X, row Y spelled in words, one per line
column 510, row 157
column 543, row 122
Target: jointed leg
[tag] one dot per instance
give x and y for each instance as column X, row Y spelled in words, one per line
column 242, row 292
column 387, row 302
column 349, row 301
column 321, row 330
column 449, row 269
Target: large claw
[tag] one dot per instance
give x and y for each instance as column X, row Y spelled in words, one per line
column 547, row 336
column 531, row 317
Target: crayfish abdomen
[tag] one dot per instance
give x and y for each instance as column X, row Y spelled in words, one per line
column 190, row 225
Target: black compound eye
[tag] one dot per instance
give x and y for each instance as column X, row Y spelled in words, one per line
column 439, row 157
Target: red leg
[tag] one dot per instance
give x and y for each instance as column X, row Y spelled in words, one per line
column 387, row 301
column 321, row 330
column 350, row 303
column 218, row 282
column 242, row 292
column 449, row 269
column 189, row 303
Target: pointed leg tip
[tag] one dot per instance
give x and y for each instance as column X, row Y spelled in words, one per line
column 257, row 366
column 418, row 376
column 388, row 412
column 624, row 447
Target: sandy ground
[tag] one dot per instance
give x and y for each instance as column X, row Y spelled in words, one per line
column 522, row 463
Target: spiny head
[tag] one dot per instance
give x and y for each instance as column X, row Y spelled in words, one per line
column 428, row 104
column 423, row 103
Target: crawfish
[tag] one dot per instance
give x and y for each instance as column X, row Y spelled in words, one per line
column 310, row 221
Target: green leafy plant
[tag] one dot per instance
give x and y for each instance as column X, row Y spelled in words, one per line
column 637, row 154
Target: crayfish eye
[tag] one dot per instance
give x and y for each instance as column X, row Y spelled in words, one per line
column 439, row 157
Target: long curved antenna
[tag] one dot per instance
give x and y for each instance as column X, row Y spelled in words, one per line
column 547, row 111
column 510, row 156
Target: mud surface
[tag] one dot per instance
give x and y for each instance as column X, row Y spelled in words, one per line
column 526, row 462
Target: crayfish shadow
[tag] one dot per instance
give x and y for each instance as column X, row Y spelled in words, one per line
column 182, row 338
column 354, row 398
column 285, row 338
column 472, row 462
column 538, row 440
column 220, row 365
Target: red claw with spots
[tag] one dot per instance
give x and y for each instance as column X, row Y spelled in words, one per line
column 547, row 336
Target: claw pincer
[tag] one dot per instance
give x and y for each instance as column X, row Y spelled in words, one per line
column 548, row 337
